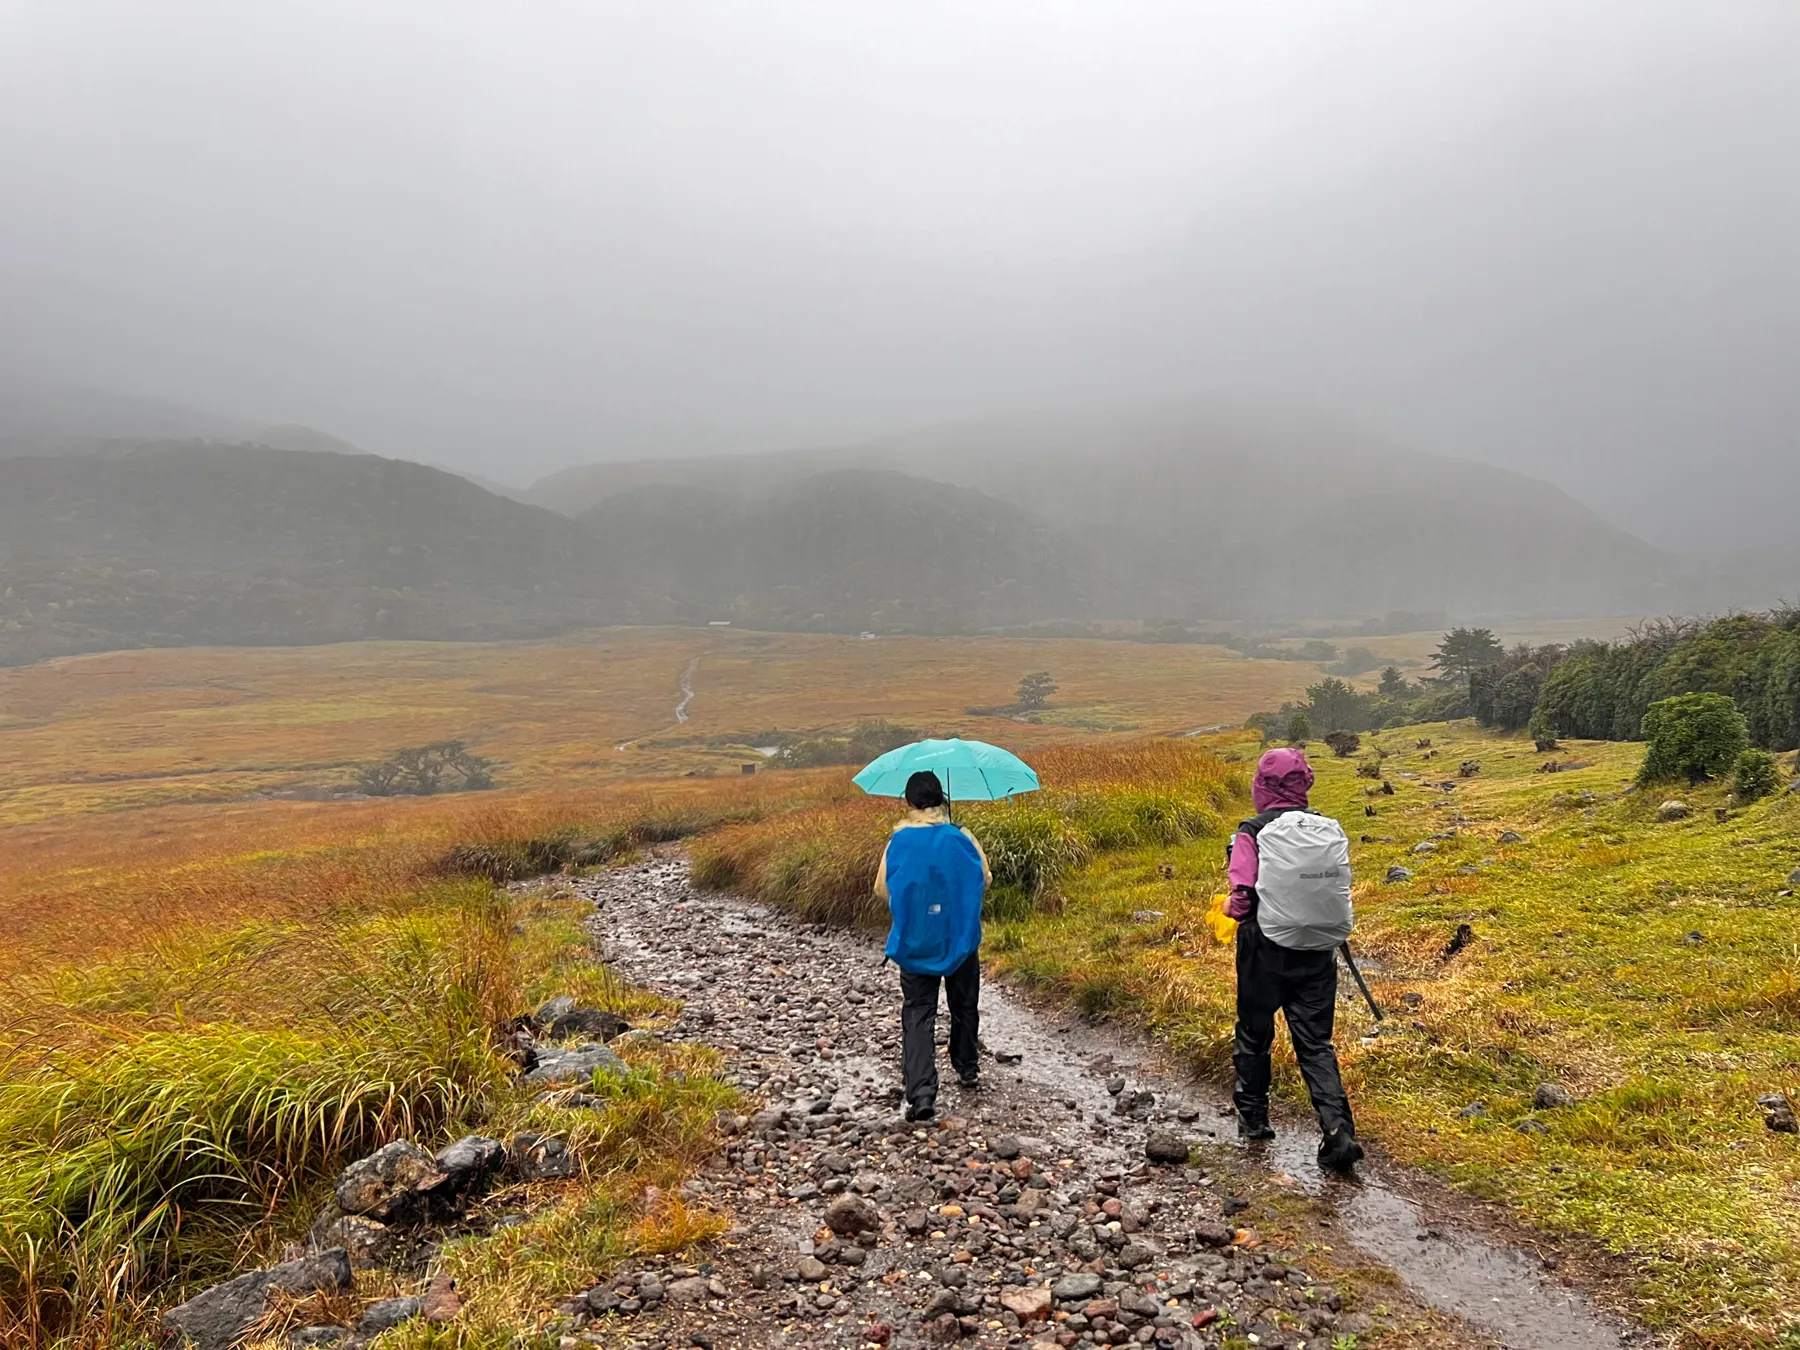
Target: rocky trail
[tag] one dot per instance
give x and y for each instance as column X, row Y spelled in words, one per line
column 1055, row 1205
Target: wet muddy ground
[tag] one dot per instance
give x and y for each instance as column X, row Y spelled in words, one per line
column 1028, row 1213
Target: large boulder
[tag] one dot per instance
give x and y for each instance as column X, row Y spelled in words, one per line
column 1076, row 1288
column 388, row 1314
column 1168, row 1148
column 575, row 1065
column 369, row 1242
column 593, row 1024
column 849, row 1215
column 389, row 1185
column 218, row 1318
column 542, row 1157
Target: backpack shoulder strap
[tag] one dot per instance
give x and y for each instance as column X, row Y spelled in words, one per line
column 1254, row 825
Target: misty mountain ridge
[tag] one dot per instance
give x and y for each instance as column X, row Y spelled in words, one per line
column 36, row 421
column 1170, row 512
column 848, row 550
column 1238, row 512
column 177, row 544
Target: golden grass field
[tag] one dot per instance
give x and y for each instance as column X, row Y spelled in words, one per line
column 134, row 786
column 205, row 725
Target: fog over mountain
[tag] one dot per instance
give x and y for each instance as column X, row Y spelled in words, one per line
column 1552, row 238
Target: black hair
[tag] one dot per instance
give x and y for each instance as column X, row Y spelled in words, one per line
column 923, row 791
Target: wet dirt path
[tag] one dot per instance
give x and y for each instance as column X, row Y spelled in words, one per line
column 1028, row 1213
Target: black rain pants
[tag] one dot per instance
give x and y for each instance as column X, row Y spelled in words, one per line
column 1302, row 986
column 918, row 1027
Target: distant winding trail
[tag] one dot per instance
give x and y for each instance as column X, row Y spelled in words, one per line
column 685, row 683
column 687, row 691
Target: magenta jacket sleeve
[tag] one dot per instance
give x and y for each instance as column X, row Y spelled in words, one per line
column 1242, row 871
column 1241, row 874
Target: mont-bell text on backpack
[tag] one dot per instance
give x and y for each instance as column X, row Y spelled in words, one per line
column 1303, row 882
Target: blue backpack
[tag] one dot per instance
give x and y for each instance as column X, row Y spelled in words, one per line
column 934, row 893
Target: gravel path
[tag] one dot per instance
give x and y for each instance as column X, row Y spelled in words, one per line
column 1028, row 1213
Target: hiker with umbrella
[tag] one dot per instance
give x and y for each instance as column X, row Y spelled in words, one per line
column 933, row 875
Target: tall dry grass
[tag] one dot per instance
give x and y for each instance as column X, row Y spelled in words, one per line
column 169, row 1114
column 74, row 891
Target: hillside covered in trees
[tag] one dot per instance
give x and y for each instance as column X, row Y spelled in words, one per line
column 1586, row 690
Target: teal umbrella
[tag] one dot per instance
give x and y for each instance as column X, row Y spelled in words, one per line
column 971, row 771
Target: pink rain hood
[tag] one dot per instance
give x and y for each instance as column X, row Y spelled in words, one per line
column 1283, row 778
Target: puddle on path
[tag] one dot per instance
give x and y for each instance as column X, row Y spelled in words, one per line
column 1458, row 1270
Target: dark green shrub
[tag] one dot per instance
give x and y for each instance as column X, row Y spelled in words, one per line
column 1344, row 743
column 1692, row 736
column 875, row 737
column 1754, row 776
column 1358, row 661
column 1299, row 727
column 1268, row 725
column 812, row 753
column 1034, row 691
column 425, row 770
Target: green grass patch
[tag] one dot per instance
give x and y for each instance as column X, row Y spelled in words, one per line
column 1649, row 965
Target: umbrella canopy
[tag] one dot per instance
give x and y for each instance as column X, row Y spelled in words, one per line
column 971, row 771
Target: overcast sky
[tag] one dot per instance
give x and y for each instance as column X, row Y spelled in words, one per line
column 504, row 237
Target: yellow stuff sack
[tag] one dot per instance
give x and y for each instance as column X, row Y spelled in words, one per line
column 1222, row 926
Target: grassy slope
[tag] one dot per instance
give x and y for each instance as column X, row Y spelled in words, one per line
column 1581, row 974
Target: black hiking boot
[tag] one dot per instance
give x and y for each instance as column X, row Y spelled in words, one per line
column 921, row 1110
column 1253, row 1123
column 968, row 1079
column 1339, row 1151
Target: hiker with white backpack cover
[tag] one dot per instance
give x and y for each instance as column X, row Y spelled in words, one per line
column 1289, row 869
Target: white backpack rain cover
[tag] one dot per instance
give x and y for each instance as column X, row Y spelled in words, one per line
column 1303, row 882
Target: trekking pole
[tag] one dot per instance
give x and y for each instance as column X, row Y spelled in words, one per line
column 1356, row 975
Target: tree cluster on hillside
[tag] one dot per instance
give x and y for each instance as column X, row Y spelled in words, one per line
column 426, row 770
column 1587, row 690
column 1033, row 695
column 1603, row 690
column 867, row 740
column 1333, row 705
